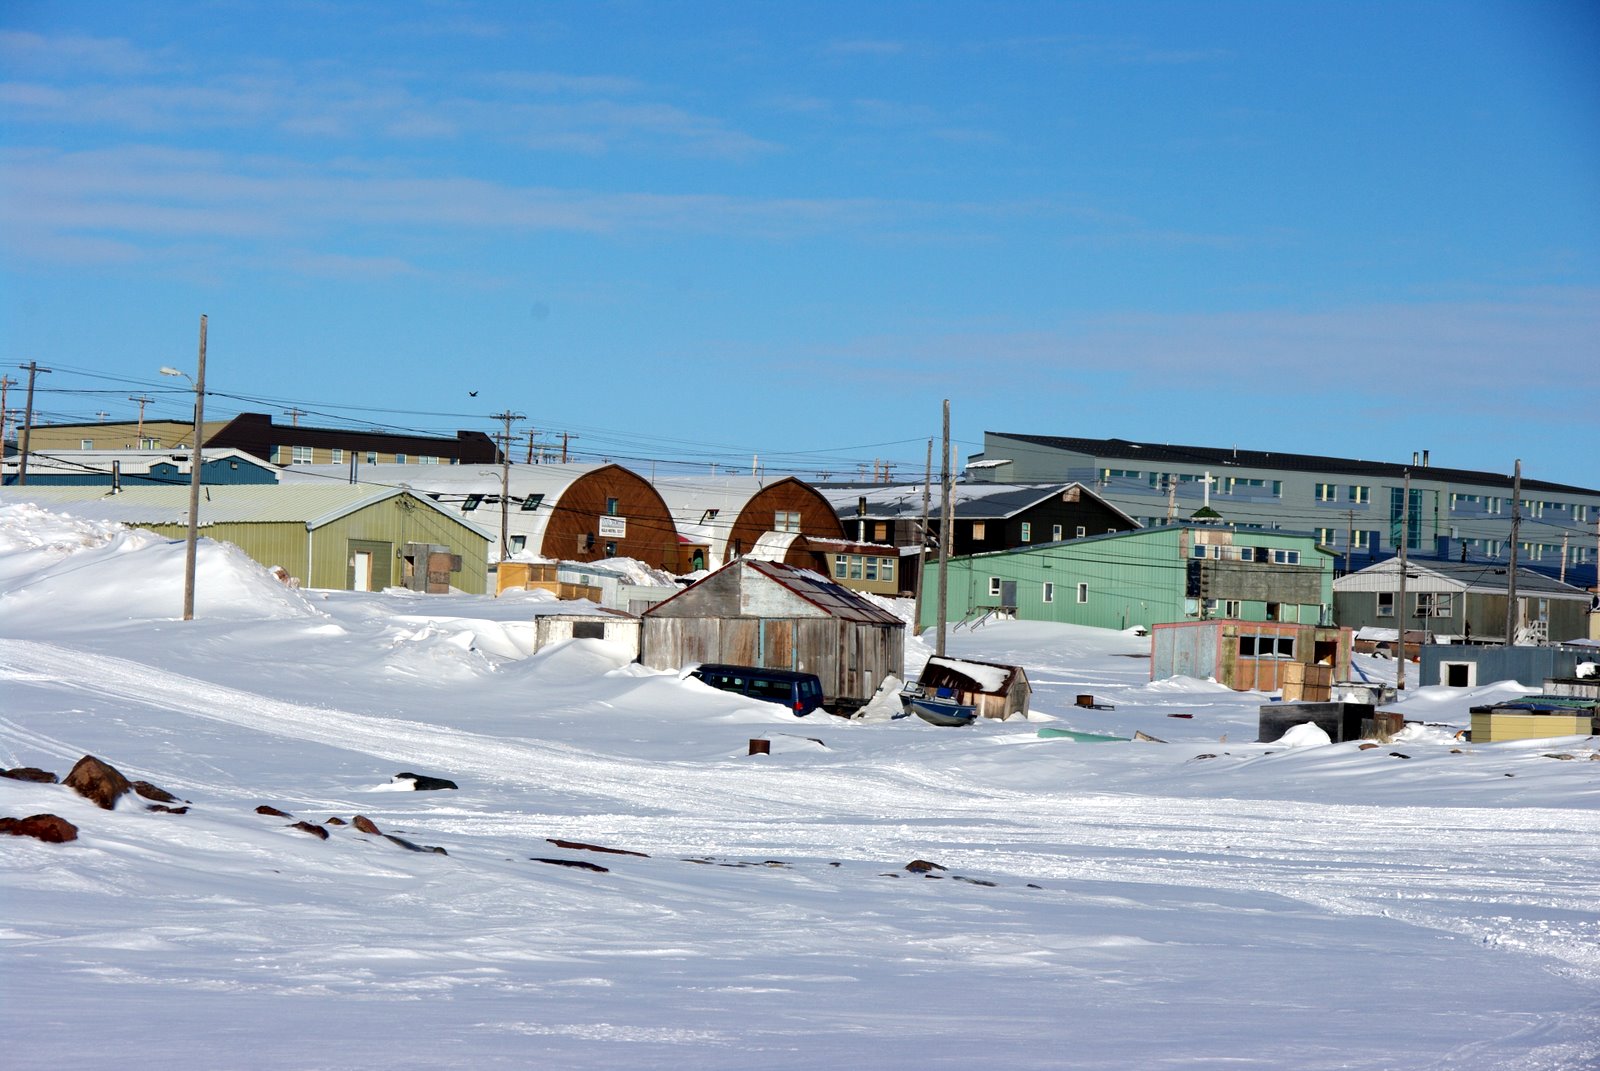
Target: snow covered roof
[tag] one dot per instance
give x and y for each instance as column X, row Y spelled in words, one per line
column 968, row 501
column 990, row 677
column 706, row 508
column 130, row 462
column 313, row 505
column 1487, row 578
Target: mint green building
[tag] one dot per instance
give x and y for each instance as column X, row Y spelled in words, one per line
column 1182, row 572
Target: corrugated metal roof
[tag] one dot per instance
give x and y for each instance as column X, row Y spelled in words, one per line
column 313, row 505
column 131, row 462
column 818, row 590
column 968, row 501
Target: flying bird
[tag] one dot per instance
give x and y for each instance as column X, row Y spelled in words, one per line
column 472, row 394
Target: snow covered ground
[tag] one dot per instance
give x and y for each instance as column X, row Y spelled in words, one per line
column 1201, row 903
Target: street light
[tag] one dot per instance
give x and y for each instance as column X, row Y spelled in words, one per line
column 199, row 384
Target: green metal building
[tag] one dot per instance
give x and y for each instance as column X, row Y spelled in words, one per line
column 350, row 537
column 1142, row 578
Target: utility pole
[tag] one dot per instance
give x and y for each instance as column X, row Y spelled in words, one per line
column 505, row 475
column 922, row 541
column 143, row 401
column 1405, row 528
column 1512, row 617
column 946, row 533
column 1563, row 576
column 27, row 422
column 294, row 416
column 6, row 383
column 565, row 436
column 1349, row 536
column 1172, row 497
column 196, row 464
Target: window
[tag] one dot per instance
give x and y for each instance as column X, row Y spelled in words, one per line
column 841, row 562
column 1580, row 513
column 1364, row 540
column 336, row 455
column 886, row 570
column 1027, row 532
column 471, row 502
column 1385, row 604
column 300, row 455
column 611, row 507
column 399, row 459
column 1049, row 592
column 855, row 567
column 1360, row 494
column 1325, row 536
column 1247, row 646
column 994, row 587
column 1493, row 504
column 1247, row 554
column 880, row 531
column 427, row 461
column 1080, row 531
column 1285, row 557
column 1434, row 604
column 518, row 543
column 870, row 566
column 1120, row 474
column 1083, row 592
column 1055, row 533
column 1327, row 492
column 978, row 530
column 85, row 444
column 1274, row 611
column 1232, row 608
column 531, row 503
column 611, row 548
column 786, row 521
column 372, row 457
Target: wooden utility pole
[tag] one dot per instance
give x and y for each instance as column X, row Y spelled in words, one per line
column 1563, row 576
column 6, row 383
column 1405, row 531
column 565, row 436
column 1349, row 537
column 922, row 541
column 1172, row 497
column 196, row 465
column 33, row 370
column 946, row 531
column 1512, row 617
column 294, row 416
column 505, row 476
column 143, row 401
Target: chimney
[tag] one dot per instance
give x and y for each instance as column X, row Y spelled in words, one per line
column 1424, row 459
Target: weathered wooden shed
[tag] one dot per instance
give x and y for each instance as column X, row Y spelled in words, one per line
column 596, row 623
column 996, row 689
column 1246, row 655
column 760, row 613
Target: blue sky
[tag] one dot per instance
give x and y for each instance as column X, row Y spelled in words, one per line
column 705, row 232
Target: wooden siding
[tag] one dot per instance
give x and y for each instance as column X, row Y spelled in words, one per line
column 817, row 518
column 573, row 533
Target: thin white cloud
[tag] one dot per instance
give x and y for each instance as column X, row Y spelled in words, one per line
column 866, row 47
column 21, row 50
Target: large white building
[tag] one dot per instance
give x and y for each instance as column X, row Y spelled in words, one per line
column 1356, row 508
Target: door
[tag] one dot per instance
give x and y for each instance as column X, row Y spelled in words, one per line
column 1008, row 593
column 362, row 566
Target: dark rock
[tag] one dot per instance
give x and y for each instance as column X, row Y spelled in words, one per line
column 975, row 881
column 1031, row 885
column 1368, row 746
column 1399, row 755
column 273, row 811
column 423, row 783
column 335, row 821
column 312, row 828
column 151, row 792
column 30, row 773
column 50, row 828
column 1557, row 755
column 410, row 847
column 97, row 781
column 577, row 864
column 922, row 866
column 164, row 809
column 1207, row 755
column 580, row 846
column 366, row 825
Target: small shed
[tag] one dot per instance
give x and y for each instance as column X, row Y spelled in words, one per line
column 1535, row 717
column 1247, row 655
column 777, row 616
column 996, row 689
column 594, row 623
